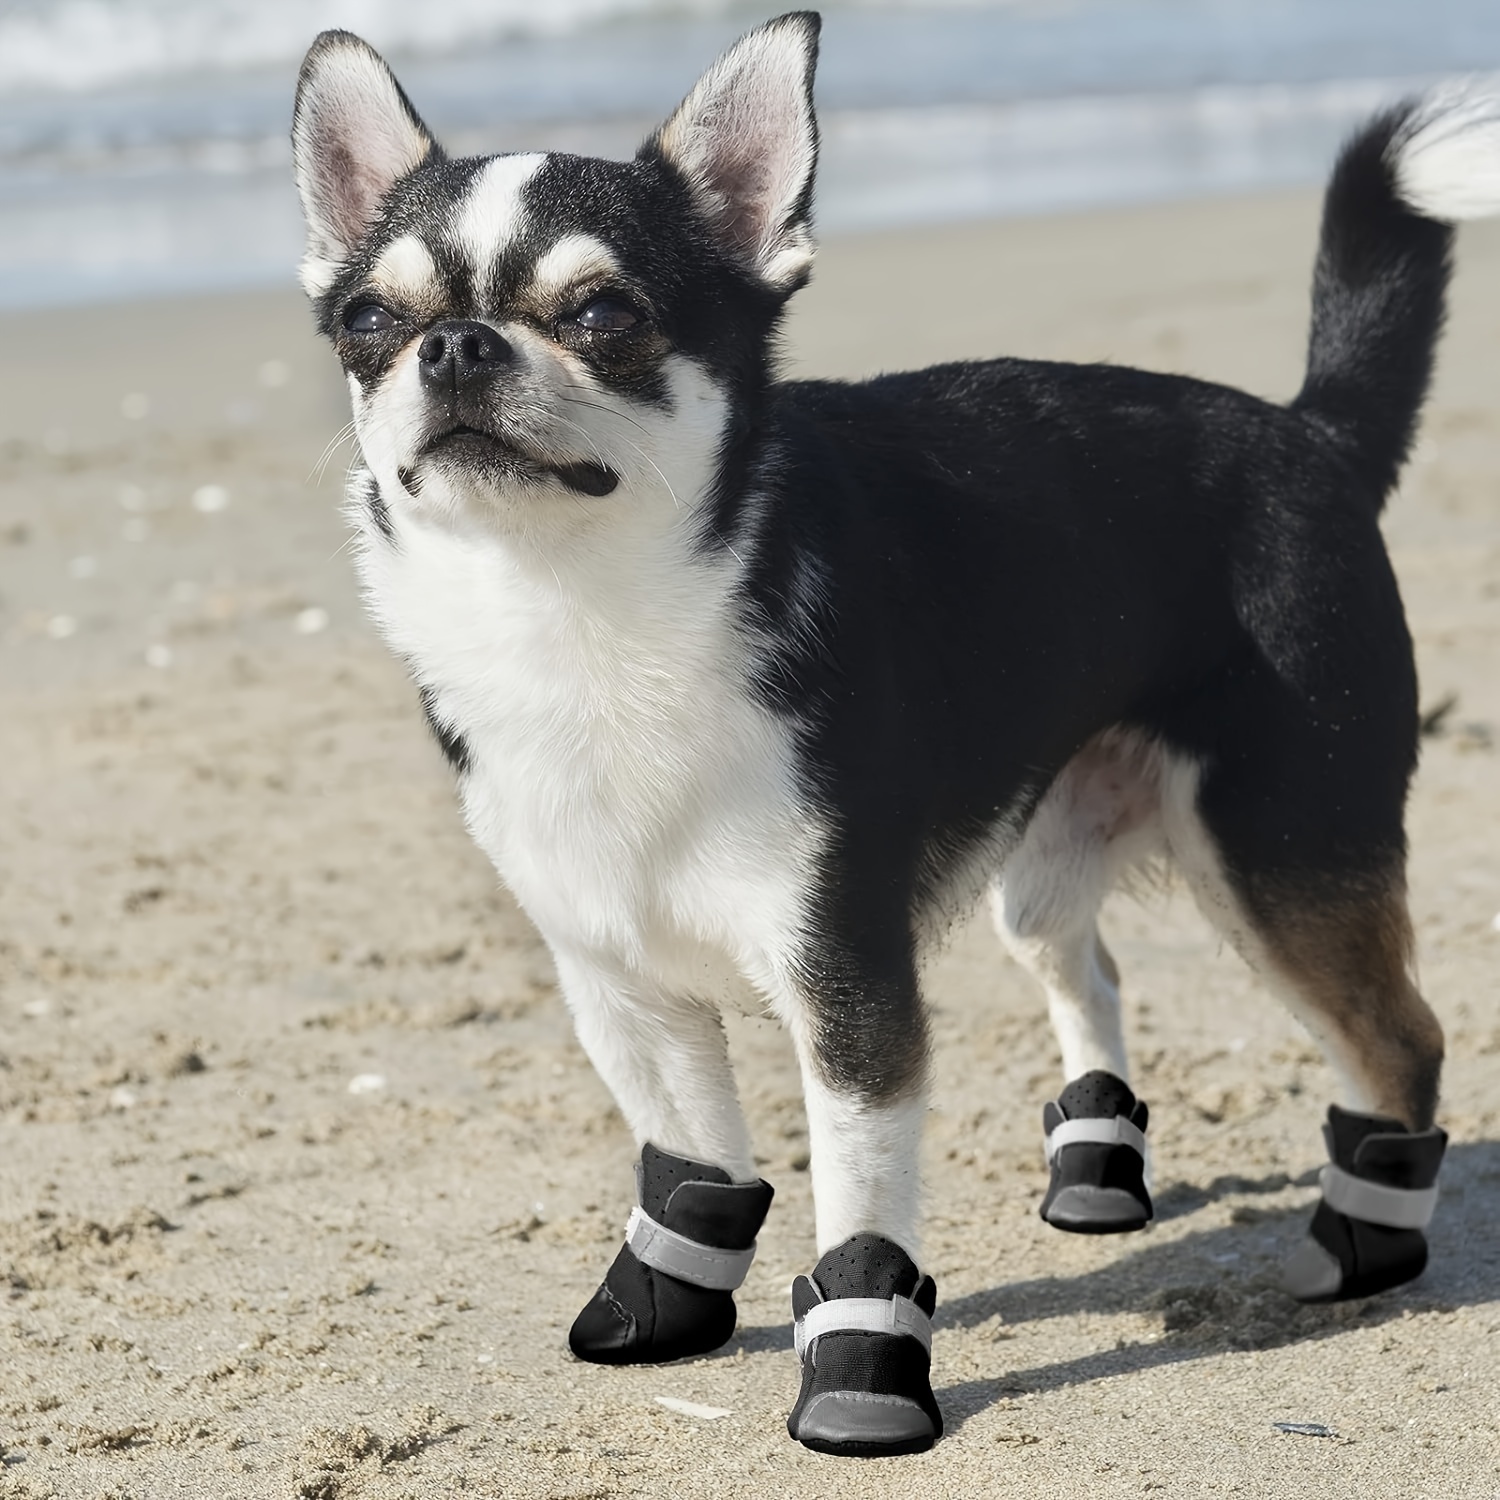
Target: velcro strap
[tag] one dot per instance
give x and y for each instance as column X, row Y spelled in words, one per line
column 1116, row 1132
column 896, row 1315
column 675, row 1254
column 1394, row 1208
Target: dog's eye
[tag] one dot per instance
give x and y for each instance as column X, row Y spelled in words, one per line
column 608, row 315
column 371, row 318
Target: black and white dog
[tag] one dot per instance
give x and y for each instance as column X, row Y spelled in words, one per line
column 751, row 687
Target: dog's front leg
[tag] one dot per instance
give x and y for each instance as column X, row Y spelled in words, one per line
column 691, row 1238
column 862, row 1318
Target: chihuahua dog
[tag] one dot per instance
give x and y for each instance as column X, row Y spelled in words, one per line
column 752, row 687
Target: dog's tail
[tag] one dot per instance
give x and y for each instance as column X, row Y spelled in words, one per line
column 1383, row 263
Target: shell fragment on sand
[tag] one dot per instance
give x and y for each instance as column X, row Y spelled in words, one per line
column 692, row 1408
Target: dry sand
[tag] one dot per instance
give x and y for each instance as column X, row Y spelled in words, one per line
column 302, row 1175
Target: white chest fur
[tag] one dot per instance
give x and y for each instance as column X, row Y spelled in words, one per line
column 632, row 793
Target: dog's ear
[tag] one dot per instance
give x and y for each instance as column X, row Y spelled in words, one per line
column 354, row 136
column 746, row 140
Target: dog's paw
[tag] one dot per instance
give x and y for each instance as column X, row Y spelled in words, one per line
column 669, row 1293
column 640, row 1316
column 1379, row 1194
column 864, row 1336
column 1096, row 1148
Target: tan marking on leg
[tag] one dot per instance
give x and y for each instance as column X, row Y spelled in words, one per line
column 1337, row 948
column 1346, row 952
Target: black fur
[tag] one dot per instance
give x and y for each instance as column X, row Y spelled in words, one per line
column 1378, row 293
column 1014, row 556
column 451, row 742
column 367, row 494
column 960, row 576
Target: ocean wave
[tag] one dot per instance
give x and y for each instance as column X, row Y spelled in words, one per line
column 77, row 45
column 232, row 219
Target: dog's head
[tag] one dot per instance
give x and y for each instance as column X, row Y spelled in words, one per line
column 526, row 335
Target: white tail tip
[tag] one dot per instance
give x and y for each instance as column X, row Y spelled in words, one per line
column 1446, row 155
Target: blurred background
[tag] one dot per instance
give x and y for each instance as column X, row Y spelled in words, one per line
column 143, row 143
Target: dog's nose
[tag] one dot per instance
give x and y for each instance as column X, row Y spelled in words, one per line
column 457, row 352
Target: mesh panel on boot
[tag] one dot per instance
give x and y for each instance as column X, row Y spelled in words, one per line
column 1100, row 1096
column 873, row 1363
column 866, row 1265
column 660, row 1173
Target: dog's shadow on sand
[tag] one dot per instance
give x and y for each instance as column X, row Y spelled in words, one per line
column 1217, row 1290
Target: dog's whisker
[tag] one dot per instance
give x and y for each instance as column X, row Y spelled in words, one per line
column 640, row 451
column 588, row 438
column 343, row 546
column 337, row 441
column 600, row 406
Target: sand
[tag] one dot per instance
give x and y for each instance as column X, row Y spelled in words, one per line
column 302, row 1176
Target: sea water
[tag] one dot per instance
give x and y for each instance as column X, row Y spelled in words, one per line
column 143, row 143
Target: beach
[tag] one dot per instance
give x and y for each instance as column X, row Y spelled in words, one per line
column 302, row 1174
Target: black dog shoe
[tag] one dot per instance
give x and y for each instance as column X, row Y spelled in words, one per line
column 1096, row 1147
column 670, row 1290
column 1378, row 1196
column 864, row 1336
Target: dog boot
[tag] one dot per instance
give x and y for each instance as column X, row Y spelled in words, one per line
column 1096, row 1147
column 687, row 1247
column 1378, row 1197
column 864, row 1336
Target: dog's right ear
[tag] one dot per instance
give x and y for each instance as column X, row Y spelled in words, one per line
column 354, row 136
column 746, row 142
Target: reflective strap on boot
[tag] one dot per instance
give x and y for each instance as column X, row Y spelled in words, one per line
column 895, row 1315
column 676, row 1255
column 1394, row 1208
column 1116, row 1132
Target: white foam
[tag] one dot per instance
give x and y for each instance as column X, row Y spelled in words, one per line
column 67, row 240
column 83, row 44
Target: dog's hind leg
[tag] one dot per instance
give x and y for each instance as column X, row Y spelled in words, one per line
column 690, row 1241
column 1098, row 817
column 1080, row 978
column 1310, row 888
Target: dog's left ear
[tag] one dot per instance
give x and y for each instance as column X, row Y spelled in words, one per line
column 746, row 140
column 354, row 136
